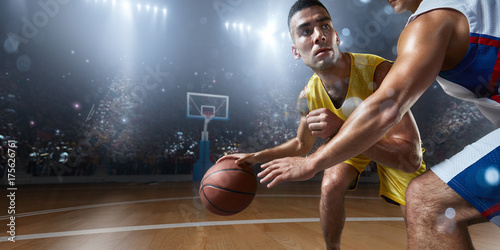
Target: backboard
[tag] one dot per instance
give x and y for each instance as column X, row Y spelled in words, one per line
column 207, row 106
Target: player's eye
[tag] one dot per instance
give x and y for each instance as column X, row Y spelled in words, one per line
column 306, row 32
column 326, row 26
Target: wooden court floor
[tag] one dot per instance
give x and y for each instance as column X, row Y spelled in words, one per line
column 170, row 216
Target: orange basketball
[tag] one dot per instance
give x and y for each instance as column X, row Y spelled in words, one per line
column 227, row 188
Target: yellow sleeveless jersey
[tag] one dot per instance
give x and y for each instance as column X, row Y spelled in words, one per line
column 393, row 183
column 360, row 86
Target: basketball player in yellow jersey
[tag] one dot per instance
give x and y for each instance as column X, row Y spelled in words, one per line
column 341, row 81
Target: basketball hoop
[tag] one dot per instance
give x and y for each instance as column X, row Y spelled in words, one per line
column 208, row 114
column 208, row 107
column 198, row 103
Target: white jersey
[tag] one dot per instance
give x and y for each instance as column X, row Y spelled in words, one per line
column 477, row 77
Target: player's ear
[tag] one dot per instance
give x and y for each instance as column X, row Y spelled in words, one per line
column 295, row 52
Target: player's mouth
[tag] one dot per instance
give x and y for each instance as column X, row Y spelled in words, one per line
column 322, row 51
column 392, row 2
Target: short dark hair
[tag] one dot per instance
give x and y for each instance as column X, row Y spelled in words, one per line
column 302, row 4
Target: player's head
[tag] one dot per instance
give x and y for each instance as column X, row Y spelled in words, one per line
column 313, row 36
column 401, row 6
column 300, row 5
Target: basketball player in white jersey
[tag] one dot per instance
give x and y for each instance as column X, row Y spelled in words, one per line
column 456, row 42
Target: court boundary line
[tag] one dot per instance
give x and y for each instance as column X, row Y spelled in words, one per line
column 186, row 225
column 66, row 209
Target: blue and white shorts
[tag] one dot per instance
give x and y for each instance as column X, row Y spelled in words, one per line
column 474, row 174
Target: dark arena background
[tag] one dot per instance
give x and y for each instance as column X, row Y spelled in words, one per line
column 98, row 152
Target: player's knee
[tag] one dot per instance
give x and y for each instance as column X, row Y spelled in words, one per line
column 333, row 186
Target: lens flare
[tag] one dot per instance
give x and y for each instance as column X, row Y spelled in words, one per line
column 492, row 176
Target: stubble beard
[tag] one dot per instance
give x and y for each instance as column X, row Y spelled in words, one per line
column 328, row 62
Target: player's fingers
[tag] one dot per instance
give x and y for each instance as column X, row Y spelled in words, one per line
column 313, row 119
column 273, row 163
column 267, row 164
column 270, row 176
column 227, row 157
column 266, row 170
column 245, row 160
column 275, row 182
column 316, row 126
column 241, row 161
column 316, row 112
column 321, row 133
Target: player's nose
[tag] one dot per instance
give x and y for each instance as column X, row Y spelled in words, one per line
column 319, row 36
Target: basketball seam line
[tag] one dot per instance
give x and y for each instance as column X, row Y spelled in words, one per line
column 252, row 174
column 223, row 210
column 226, row 189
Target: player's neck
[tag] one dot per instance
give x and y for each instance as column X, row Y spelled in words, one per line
column 340, row 72
column 336, row 79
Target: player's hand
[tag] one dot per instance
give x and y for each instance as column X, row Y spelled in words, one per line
column 241, row 159
column 286, row 169
column 323, row 123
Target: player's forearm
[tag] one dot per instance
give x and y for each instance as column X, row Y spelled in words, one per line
column 400, row 148
column 291, row 148
column 396, row 153
column 366, row 126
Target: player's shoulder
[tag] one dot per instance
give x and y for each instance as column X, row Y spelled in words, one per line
column 303, row 93
column 367, row 59
column 314, row 80
column 436, row 10
column 302, row 102
column 434, row 20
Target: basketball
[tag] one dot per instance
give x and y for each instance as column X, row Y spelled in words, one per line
column 227, row 188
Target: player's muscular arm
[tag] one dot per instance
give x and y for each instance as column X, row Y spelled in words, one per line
column 421, row 53
column 298, row 146
column 400, row 148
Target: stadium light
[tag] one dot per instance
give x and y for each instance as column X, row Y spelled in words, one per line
column 268, row 34
column 128, row 6
column 125, row 5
